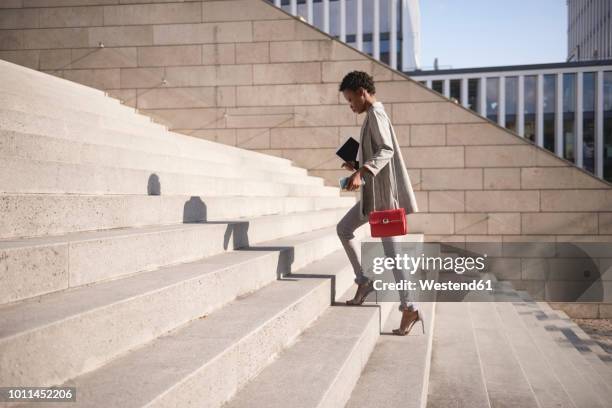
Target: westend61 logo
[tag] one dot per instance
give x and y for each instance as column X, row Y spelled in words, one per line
column 458, row 265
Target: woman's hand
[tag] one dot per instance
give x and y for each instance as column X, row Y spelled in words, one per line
column 354, row 181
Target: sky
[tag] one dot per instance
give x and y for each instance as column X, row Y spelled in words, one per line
column 480, row 33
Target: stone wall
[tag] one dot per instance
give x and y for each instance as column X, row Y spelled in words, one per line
column 245, row 73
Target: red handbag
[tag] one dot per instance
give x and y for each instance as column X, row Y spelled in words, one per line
column 387, row 223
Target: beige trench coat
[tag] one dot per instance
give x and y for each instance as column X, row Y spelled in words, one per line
column 380, row 153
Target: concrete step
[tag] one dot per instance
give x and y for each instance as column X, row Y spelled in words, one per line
column 28, row 78
column 548, row 387
column 584, row 387
column 64, row 95
column 111, row 116
column 397, row 372
column 82, row 97
column 582, row 356
column 44, row 85
column 50, row 339
column 36, row 266
column 138, row 128
column 322, row 367
column 65, row 105
column 581, row 340
column 25, row 146
column 32, row 215
column 157, row 142
column 503, row 375
column 210, row 359
column 18, row 176
column 456, row 377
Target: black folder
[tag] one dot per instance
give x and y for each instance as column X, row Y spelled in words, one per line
column 348, row 151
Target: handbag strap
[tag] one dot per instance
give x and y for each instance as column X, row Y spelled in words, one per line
column 396, row 197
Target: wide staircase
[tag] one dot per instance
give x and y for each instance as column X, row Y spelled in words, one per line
column 149, row 268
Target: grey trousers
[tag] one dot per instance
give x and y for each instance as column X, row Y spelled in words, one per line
column 345, row 229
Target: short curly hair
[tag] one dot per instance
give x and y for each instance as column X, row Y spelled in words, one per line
column 358, row 79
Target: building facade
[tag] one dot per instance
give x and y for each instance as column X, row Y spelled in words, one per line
column 589, row 30
column 388, row 30
column 564, row 107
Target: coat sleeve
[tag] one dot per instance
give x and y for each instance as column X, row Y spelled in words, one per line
column 381, row 135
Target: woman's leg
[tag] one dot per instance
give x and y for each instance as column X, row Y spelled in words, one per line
column 390, row 248
column 345, row 229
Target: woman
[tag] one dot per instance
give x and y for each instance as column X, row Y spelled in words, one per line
column 385, row 180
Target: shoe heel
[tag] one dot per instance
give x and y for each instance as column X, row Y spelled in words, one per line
column 422, row 323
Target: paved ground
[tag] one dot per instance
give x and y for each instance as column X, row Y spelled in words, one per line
column 600, row 330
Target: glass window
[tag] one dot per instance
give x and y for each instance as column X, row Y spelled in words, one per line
column 302, row 10
column 530, row 107
column 492, row 98
column 473, row 88
column 317, row 15
column 588, row 121
column 548, row 111
column 607, row 126
column 437, row 86
column 569, row 115
column 455, row 89
column 384, row 43
column 511, row 102
column 384, row 50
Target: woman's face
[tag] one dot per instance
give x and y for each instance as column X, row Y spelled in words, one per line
column 356, row 99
